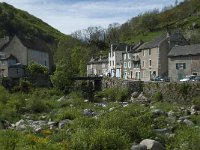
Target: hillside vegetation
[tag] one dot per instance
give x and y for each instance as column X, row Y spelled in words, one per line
column 184, row 17
column 17, row 22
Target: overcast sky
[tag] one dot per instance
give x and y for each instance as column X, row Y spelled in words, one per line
column 70, row 15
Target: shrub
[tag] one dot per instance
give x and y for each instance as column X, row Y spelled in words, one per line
column 196, row 101
column 99, row 139
column 103, row 139
column 9, row 139
column 114, row 94
column 157, row 96
column 37, row 105
column 187, row 138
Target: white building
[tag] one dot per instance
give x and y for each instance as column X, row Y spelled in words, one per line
column 115, row 60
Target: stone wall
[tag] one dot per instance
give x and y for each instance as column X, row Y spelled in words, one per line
column 182, row 92
column 172, row 91
column 134, row 86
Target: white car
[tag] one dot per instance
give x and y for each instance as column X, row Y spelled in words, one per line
column 188, row 78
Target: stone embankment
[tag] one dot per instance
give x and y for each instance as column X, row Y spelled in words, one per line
column 170, row 91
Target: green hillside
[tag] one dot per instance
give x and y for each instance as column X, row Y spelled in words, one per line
column 184, row 17
column 17, row 22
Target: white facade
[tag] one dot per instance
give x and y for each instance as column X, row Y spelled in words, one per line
column 115, row 62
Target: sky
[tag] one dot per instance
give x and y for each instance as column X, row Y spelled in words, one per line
column 71, row 15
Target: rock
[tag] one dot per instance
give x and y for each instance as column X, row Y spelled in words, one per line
column 134, row 94
column 188, row 122
column 111, row 109
column 184, row 117
column 171, row 114
column 142, row 98
column 61, row 99
column 158, row 112
column 42, row 117
column 104, row 99
column 86, row 100
column 125, row 104
column 152, row 144
column 20, row 125
column 4, row 124
column 38, row 129
column 63, row 123
column 88, row 112
column 163, row 131
column 139, row 147
column 195, row 107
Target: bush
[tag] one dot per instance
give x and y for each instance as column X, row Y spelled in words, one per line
column 196, row 101
column 99, row 139
column 157, row 97
column 37, row 105
column 114, row 94
column 187, row 138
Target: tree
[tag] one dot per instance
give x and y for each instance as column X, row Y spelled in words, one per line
column 34, row 69
column 62, row 78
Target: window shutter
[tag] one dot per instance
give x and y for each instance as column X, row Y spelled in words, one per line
column 177, row 66
column 184, row 66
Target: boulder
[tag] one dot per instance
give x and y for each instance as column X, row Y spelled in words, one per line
column 152, row 144
column 111, row 109
column 195, row 107
column 163, row 131
column 63, row 123
column 139, row 147
column 171, row 114
column 142, row 98
column 20, row 125
column 61, row 99
column 88, row 112
column 188, row 122
column 134, row 94
column 158, row 112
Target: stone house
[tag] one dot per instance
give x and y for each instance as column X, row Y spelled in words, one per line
column 131, row 60
column 97, row 67
column 184, row 60
column 154, row 55
column 26, row 51
column 9, row 67
column 115, row 60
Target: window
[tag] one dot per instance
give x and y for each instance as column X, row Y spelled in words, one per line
column 113, row 63
column 129, row 64
column 150, row 74
column 124, row 56
column 143, row 63
column 129, row 56
column 103, row 65
column 125, row 65
column 143, row 53
column 180, row 66
column 110, row 63
column 149, row 63
column 149, row 51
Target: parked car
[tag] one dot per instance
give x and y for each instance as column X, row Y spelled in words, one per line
column 197, row 78
column 188, row 78
column 160, row 78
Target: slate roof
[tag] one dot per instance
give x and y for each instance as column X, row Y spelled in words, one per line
column 119, row 46
column 136, row 47
column 98, row 61
column 185, row 50
column 154, row 43
column 35, row 44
